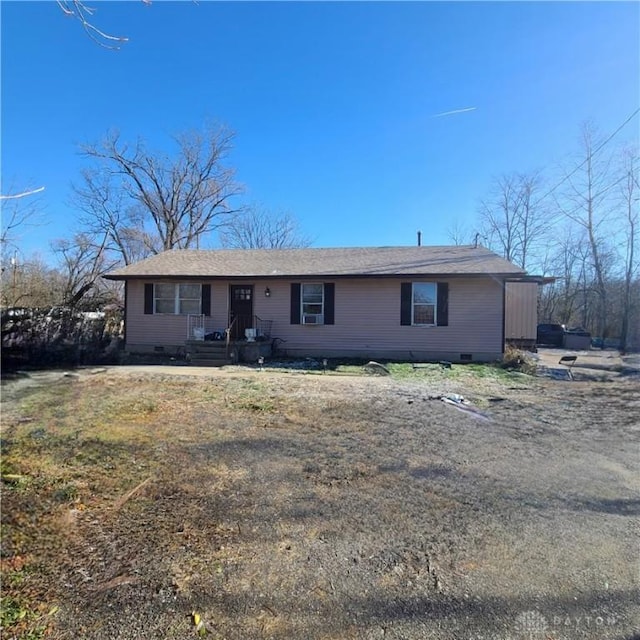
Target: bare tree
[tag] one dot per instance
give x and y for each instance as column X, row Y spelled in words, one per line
column 460, row 234
column 587, row 202
column 513, row 218
column 18, row 211
column 145, row 203
column 565, row 259
column 630, row 197
column 257, row 228
column 79, row 10
column 107, row 214
column 29, row 282
column 82, row 262
column 594, row 254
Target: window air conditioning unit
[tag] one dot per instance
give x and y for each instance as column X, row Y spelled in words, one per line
column 316, row 318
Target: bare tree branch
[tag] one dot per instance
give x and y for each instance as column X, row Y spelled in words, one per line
column 630, row 201
column 512, row 220
column 257, row 228
column 82, row 262
column 84, row 14
column 589, row 191
column 18, row 211
column 459, row 233
column 146, row 203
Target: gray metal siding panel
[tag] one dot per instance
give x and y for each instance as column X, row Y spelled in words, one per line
column 521, row 310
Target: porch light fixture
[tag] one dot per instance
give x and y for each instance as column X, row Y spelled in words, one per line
column 267, row 293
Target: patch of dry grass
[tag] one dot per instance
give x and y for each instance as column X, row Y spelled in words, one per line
column 184, row 486
column 91, row 461
column 88, row 446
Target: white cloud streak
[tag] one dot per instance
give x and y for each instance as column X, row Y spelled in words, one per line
column 450, row 113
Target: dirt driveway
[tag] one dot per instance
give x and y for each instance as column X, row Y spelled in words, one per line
column 283, row 505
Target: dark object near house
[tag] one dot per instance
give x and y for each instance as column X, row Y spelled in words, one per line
column 550, row 335
column 577, row 338
column 568, row 361
column 579, row 331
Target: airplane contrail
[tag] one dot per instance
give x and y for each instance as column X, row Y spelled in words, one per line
column 450, row 113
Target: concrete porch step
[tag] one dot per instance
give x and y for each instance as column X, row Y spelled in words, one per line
column 205, row 345
column 208, row 353
column 205, row 353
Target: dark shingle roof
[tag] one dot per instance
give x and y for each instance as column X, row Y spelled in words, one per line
column 355, row 261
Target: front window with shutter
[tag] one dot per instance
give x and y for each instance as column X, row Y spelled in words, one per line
column 312, row 298
column 424, row 304
column 177, row 298
column 312, row 303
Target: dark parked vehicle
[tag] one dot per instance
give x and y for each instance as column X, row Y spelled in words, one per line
column 551, row 335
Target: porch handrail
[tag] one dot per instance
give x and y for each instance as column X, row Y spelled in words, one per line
column 227, row 333
column 195, row 321
column 262, row 326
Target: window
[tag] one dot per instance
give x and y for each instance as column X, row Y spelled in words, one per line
column 312, row 300
column 424, row 303
column 177, row 298
column 242, row 293
column 313, row 303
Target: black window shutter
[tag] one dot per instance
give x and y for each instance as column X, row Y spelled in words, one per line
column 295, row 303
column 205, row 301
column 329, row 302
column 148, row 298
column 406, row 291
column 126, row 310
column 443, row 304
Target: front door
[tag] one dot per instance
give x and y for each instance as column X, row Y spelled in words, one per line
column 241, row 309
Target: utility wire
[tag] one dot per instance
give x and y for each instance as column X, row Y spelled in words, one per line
column 589, row 157
column 593, row 153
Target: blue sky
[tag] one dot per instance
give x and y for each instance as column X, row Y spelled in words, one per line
column 333, row 103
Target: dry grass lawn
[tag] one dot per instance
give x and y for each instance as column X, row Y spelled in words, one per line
column 288, row 505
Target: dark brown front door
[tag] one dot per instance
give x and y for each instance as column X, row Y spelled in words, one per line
column 241, row 309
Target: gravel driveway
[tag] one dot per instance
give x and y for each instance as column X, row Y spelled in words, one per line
column 362, row 507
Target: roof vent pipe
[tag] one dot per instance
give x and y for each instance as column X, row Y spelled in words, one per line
column 419, row 238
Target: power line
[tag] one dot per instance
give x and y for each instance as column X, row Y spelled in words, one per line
column 593, row 153
column 557, row 217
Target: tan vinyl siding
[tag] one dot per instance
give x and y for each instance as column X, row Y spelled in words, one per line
column 149, row 330
column 367, row 323
column 367, row 320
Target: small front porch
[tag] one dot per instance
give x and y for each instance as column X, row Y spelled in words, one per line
column 217, row 353
column 208, row 347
